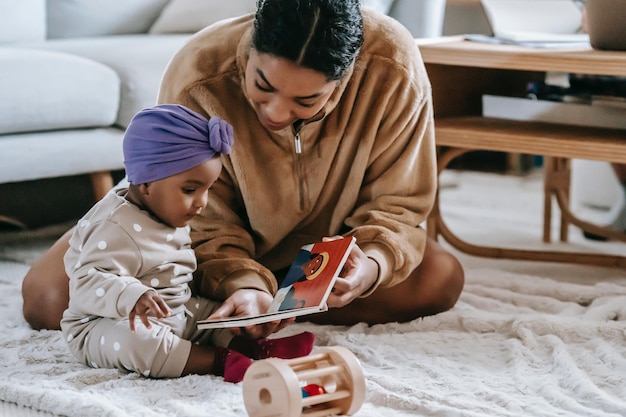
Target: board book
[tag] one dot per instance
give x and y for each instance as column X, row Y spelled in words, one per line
column 305, row 288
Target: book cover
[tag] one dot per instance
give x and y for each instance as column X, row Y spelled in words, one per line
column 305, row 288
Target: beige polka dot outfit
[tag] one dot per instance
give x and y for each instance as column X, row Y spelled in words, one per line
column 117, row 253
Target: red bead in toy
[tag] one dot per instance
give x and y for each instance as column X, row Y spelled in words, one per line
column 314, row 389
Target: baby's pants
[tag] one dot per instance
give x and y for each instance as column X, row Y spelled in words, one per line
column 159, row 352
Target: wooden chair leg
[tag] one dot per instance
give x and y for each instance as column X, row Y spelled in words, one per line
column 101, row 182
column 556, row 180
column 548, row 172
column 564, row 183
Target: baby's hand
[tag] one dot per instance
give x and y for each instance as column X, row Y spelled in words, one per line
column 150, row 303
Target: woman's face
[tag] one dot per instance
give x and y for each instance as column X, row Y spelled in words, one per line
column 283, row 92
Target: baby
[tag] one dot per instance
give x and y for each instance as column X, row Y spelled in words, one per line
column 130, row 261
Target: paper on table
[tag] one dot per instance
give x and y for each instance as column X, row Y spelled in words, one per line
column 543, row 37
column 547, row 42
column 542, row 22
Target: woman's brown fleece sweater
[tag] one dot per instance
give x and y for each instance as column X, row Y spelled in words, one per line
column 367, row 166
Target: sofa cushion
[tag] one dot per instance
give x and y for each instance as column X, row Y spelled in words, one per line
column 43, row 90
column 22, row 20
column 189, row 16
column 31, row 156
column 78, row 18
column 138, row 60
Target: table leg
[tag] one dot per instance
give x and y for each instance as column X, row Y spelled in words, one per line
column 437, row 225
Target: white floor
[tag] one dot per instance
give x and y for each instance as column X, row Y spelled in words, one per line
column 482, row 208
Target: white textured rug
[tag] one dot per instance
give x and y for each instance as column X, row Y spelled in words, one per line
column 515, row 345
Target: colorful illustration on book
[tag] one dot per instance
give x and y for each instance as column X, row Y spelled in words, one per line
column 307, row 280
column 305, row 288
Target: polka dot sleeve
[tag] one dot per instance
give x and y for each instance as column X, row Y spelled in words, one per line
column 102, row 269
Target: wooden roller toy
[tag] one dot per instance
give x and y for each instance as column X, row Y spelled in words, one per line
column 327, row 382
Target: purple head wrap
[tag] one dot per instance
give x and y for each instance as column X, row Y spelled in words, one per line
column 168, row 139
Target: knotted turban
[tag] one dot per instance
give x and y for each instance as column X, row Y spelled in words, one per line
column 168, row 139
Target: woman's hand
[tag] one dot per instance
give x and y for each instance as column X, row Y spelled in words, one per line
column 250, row 302
column 358, row 275
column 150, row 303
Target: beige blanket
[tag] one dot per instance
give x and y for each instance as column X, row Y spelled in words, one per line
column 514, row 345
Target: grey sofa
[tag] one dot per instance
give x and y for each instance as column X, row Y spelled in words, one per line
column 74, row 72
column 67, row 94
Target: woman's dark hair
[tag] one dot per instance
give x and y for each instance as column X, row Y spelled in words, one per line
column 322, row 35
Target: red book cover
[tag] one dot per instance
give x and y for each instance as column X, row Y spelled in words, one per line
column 305, row 288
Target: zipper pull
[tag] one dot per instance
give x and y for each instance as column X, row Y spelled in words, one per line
column 297, row 143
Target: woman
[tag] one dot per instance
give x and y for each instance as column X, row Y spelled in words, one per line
column 333, row 119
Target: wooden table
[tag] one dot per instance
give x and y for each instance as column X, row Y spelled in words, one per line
column 462, row 71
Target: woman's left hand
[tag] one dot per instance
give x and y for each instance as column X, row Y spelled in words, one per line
column 358, row 275
column 250, row 302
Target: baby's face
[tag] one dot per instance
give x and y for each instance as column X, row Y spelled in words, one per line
column 177, row 199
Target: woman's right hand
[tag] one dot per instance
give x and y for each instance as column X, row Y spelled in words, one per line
column 250, row 302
